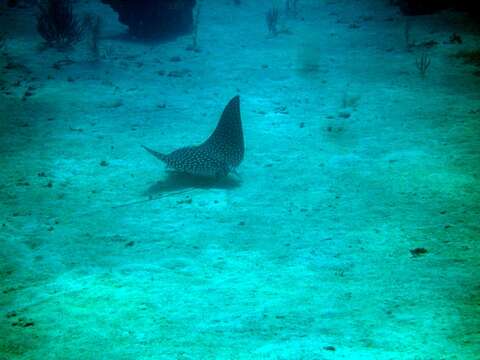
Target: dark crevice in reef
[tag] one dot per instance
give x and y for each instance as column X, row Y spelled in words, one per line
column 425, row 7
column 155, row 19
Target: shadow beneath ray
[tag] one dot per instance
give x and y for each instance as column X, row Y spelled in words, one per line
column 176, row 181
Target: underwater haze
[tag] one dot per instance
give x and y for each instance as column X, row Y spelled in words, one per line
column 314, row 189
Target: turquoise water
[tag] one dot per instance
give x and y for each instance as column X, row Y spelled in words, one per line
column 349, row 231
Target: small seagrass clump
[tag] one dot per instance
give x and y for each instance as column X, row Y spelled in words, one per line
column 423, row 63
column 271, row 18
column 92, row 28
column 3, row 41
column 58, row 25
column 291, row 8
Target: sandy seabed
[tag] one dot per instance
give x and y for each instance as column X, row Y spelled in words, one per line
column 351, row 232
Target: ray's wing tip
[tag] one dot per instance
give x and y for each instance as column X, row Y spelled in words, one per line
column 235, row 100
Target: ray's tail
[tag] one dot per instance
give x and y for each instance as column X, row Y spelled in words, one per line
column 155, row 153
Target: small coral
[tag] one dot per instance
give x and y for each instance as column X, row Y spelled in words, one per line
column 271, row 18
column 58, row 25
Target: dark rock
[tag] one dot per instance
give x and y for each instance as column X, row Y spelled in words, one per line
column 418, row 251
column 180, row 73
column 425, row 7
column 428, row 44
column 455, row 39
column 21, row 4
column 281, row 110
column 422, row 7
column 155, row 18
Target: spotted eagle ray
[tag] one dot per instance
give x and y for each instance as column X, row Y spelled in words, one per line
column 217, row 156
